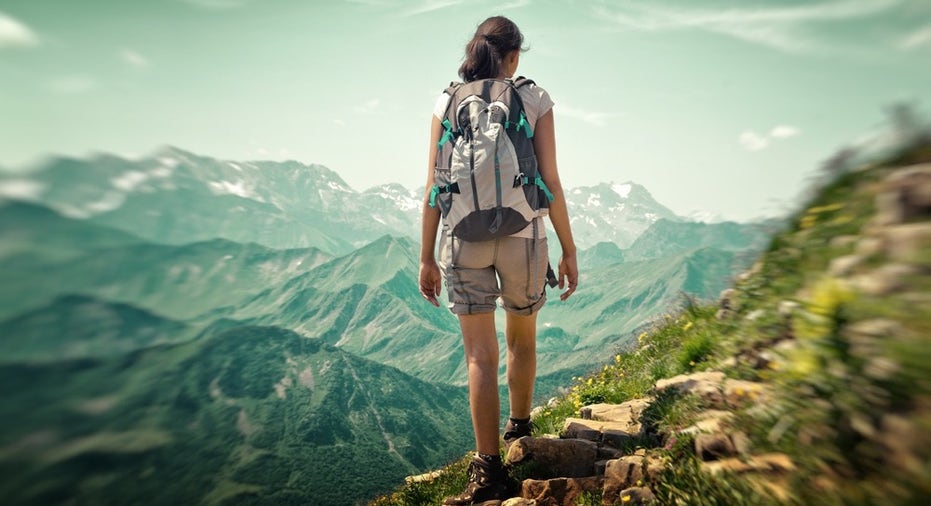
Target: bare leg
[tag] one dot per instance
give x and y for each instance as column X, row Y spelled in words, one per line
column 521, row 334
column 481, row 352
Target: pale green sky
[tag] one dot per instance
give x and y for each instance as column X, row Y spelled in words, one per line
column 723, row 106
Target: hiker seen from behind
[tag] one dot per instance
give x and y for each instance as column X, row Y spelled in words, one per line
column 491, row 181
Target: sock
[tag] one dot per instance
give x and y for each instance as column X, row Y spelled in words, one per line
column 491, row 459
column 520, row 421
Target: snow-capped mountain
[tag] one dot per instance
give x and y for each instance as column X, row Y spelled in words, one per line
column 618, row 213
column 174, row 196
column 177, row 197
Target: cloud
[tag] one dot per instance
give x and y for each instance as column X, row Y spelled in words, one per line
column 14, row 33
column 72, row 85
column 430, row 6
column 133, row 58
column 780, row 28
column 918, row 38
column 368, row 107
column 217, row 4
column 752, row 141
column 594, row 118
column 783, row 132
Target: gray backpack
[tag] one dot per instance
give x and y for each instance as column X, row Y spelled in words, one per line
column 487, row 182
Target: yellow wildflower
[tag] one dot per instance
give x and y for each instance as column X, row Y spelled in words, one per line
column 626, row 498
column 687, row 326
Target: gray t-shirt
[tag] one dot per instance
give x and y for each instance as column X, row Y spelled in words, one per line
column 536, row 103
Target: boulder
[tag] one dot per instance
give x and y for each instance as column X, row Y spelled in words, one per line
column 626, row 472
column 707, row 385
column 559, row 491
column 636, row 496
column 552, row 458
column 715, row 446
column 741, row 392
column 519, row 501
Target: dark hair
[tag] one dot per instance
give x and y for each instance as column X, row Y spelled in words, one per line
column 493, row 40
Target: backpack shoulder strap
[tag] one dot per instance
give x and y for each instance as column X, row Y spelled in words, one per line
column 522, row 81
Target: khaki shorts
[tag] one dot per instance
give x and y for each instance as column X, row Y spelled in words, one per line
column 472, row 271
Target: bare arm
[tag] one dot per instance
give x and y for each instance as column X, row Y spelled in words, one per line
column 544, row 144
column 430, row 279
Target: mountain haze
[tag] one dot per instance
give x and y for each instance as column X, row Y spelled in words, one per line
column 245, row 332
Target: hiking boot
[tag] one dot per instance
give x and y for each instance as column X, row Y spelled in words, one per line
column 516, row 429
column 487, row 485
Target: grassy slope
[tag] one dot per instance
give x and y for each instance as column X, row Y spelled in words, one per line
column 828, row 405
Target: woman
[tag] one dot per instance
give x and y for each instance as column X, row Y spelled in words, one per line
column 472, row 280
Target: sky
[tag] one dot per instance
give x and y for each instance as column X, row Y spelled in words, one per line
column 723, row 107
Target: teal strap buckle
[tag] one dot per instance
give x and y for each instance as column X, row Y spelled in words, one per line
column 546, row 191
column 447, row 135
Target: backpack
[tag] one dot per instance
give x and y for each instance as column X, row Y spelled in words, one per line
column 487, row 182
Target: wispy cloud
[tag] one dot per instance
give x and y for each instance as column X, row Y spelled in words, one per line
column 72, row 85
column 594, row 118
column 133, row 58
column 781, row 28
column 753, row 141
column 368, row 107
column 918, row 38
column 15, row 33
column 217, row 4
column 513, row 5
column 430, row 6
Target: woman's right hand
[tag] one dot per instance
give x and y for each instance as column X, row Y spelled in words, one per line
column 430, row 282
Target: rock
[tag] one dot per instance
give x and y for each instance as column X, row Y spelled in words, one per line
column 559, row 491
column 628, row 411
column 770, row 462
column 615, row 424
column 519, row 501
column 423, row 478
column 886, row 279
column 905, row 242
column 864, row 336
column 714, row 446
column 706, row 385
column 711, row 420
column 756, row 314
column 723, row 314
column 844, row 241
column 844, row 265
column 767, row 473
column 627, row 472
column 788, row 307
column 588, row 430
column 870, row 247
column 907, row 195
column 551, row 458
column 740, row 392
column 727, row 299
column 636, row 495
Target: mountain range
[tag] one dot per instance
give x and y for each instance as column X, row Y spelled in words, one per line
column 181, row 301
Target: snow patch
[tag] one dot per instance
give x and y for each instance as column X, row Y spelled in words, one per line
column 129, row 181
column 235, row 166
column 168, row 162
column 593, row 200
column 22, row 189
column 237, row 188
column 109, row 202
column 623, row 190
